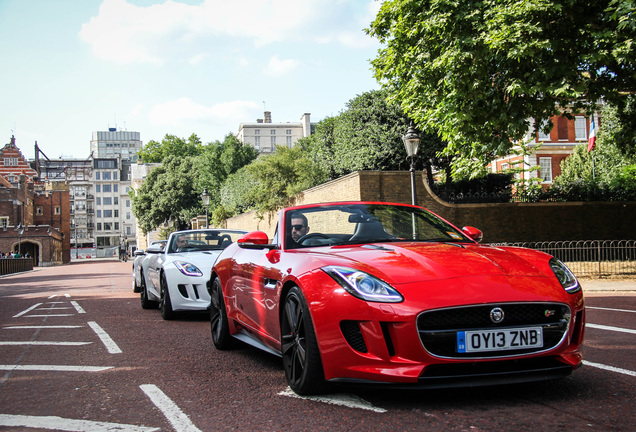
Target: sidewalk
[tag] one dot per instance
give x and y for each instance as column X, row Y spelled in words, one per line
column 608, row 285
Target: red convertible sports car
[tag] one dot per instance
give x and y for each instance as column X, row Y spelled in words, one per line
column 391, row 294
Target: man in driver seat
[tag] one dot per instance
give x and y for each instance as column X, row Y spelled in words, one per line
column 299, row 228
column 182, row 242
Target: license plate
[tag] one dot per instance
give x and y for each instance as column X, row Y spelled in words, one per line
column 499, row 340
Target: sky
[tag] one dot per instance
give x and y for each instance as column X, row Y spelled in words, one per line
column 72, row 67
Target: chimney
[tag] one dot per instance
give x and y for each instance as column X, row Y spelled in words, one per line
column 306, row 121
column 268, row 116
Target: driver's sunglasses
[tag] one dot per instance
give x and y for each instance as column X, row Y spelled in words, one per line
column 298, row 227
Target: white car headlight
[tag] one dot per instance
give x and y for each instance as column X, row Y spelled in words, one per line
column 363, row 286
column 188, row 269
column 565, row 276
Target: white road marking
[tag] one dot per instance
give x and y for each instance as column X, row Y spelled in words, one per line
column 42, row 327
column 609, row 368
column 616, row 329
column 350, row 401
column 45, row 343
column 69, row 425
column 77, row 307
column 67, row 295
column 610, row 309
column 179, row 421
column 55, row 368
column 58, row 308
column 27, row 311
column 52, row 296
column 110, row 344
column 49, row 315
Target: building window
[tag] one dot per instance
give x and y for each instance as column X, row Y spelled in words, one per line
column 116, row 226
column 257, row 132
column 504, row 167
column 108, row 213
column 288, row 131
column 257, row 143
column 98, row 175
column 128, row 203
column 98, row 201
column 106, row 188
column 128, row 231
column 108, row 201
column 4, row 221
column 114, row 175
column 289, row 141
column 11, row 161
column 57, row 210
column 127, row 215
column 542, row 135
column 580, row 127
column 98, row 188
column 273, row 141
column 99, row 226
column 545, row 169
column 106, row 175
column 99, row 213
column 272, row 132
column 108, row 226
column 116, row 200
column 116, row 213
column 115, row 188
column 39, row 211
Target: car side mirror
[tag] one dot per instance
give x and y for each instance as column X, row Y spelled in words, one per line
column 154, row 249
column 473, row 233
column 255, row 240
column 139, row 252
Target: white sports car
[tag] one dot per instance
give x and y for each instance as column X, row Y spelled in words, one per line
column 176, row 276
column 138, row 265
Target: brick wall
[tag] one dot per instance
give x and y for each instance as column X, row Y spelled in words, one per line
column 509, row 222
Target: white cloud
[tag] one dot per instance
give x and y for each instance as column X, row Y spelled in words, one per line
column 182, row 111
column 125, row 33
column 277, row 67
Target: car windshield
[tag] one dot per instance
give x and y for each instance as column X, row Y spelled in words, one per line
column 342, row 224
column 202, row 240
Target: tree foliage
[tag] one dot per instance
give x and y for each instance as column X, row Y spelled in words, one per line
column 367, row 135
column 170, row 145
column 168, row 194
column 478, row 70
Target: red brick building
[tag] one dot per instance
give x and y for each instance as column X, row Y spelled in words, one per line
column 553, row 148
column 34, row 217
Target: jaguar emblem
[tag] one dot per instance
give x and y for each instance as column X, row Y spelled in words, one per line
column 497, row 315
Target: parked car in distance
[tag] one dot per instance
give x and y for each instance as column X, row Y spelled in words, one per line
column 176, row 276
column 372, row 293
column 137, row 266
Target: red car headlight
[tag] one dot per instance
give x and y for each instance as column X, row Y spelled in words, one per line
column 565, row 276
column 363, row 286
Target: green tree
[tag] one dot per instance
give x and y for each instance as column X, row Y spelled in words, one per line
column 367, row 135
column 478, row 70
column 219, row 160
column 168, row 193
column 156, row 152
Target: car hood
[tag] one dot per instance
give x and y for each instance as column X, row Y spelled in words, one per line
column 400, row 263
column 204, row 259
column 443, row 274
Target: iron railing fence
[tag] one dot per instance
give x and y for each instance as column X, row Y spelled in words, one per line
column 15, row 265
column 590, row 258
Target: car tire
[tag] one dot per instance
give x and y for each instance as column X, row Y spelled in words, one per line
column 219, row 326
column 146, row 303
column 165, row 304
column 136, row 287
column 301, row 357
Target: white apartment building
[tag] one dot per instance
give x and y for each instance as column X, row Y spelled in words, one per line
column 113, row 143
column 264, row 135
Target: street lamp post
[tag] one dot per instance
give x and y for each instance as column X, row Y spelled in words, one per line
column 20, row 230
column 205, row 197
column 411, row 143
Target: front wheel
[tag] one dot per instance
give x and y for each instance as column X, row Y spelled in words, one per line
column 166, row 305
column 146, row 303
column 301, row 357
column 218, row 318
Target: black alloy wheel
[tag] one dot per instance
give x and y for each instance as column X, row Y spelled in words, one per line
column 146, row 303
column 301, row 357
column 218, row 318
column 166, row 305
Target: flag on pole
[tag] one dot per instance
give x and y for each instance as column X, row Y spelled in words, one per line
column 591, row 143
